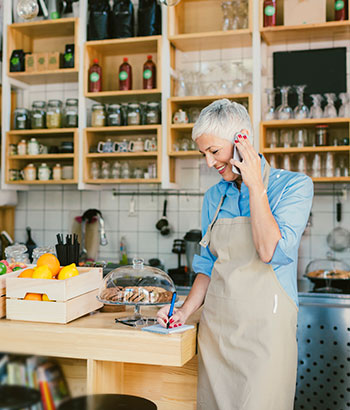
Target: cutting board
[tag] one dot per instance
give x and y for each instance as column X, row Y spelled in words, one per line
column 92, row 237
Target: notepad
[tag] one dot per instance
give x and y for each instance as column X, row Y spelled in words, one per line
column 163, row 330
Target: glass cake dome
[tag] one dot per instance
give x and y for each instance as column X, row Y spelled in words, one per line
column 136, row 285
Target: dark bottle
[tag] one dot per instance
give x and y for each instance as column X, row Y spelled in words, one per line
column 269, row 13
column 95, row 77
column 340, row 10
column 17, row 61
column 30, row 244
column 125, row 75
column 68, row 56
column 149, row 74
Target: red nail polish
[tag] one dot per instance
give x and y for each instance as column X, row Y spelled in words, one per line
column 239, row 136
column 245, row 137
column 236, row 141
column 171, row 320
column 180, row 324
column 175, row 325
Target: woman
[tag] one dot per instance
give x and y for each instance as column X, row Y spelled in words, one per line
column 252, row 223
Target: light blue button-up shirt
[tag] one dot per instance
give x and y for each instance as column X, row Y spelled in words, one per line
column 290, row 197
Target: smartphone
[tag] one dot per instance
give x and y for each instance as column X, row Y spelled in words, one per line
column 236, row 157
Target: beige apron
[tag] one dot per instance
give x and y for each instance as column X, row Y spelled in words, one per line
column 247, row 334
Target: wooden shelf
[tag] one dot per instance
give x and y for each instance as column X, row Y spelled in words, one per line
column 185, row 154
column 307, row 121
column 37, row 182
column 331, row 179
column 209, row 98
column 188, row 126
column 122, row 155
column 123, row 46
column 124, row 128
column 48, row 76
column 45, row 131
column 212, row 40
column 123, row 181
column 123, row 94
column 332, row 30
column 46, row 28
column 42, row 156
column 305, row 150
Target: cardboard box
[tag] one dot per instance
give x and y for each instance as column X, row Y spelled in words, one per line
column 298, row 12
column 53, row 61
column 69, row 299
column 30, row 64
column 41, row 61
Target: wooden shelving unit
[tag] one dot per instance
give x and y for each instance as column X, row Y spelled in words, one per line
column 197, row 25
column 44, row 36
column 339, row 126
column 93, row 135
column 49, row 138
column 110, row 54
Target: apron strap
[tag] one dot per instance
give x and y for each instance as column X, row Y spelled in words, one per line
column 206, row 239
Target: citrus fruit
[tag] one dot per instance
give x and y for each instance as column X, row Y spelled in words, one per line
column 3, row 268
column 28, row 273
column 46, row 298
column 42, row 272
column 32, row 296
column 68, row 272
column 51, row 261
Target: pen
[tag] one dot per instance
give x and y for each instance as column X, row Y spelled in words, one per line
column 171, row 308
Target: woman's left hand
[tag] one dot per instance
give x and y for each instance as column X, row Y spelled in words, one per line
column 250, row 167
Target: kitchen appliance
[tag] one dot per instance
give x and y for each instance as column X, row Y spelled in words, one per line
column 192, row 246
column 179, row 274
column 136, row 285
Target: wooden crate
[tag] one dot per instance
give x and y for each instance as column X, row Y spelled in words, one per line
column 69, row 299
column 3, row 291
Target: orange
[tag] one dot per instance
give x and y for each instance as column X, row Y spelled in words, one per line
column 42, row 272
column 32, row 296
column 46, row 298
column 28, row 273
column 68, row 272
column 51, row 261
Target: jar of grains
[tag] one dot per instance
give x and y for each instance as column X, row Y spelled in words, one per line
column 98, row 115
column 54, row 114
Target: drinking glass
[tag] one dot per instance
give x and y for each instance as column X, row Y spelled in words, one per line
column 316, row 166
column 180, row 84
column 302, row 164
column 105, row 170
column 300, row 137
column 270, row 111
column 316, row 109
column 284, row 112
column 286, row 137
column 227, row 14
column 301, row 111
column 237, row 85
column 329, row 165
column 273, row 161
column 330, row 110
column 344, row 109
column 272, row 139
column 286, row 163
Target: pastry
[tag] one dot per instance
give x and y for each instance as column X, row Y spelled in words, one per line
column 136, row 294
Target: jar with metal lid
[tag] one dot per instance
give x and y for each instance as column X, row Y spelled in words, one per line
column 54, row 114
column 98, row 115
column 17, row 253
column 134, row 114
column 21, row 119
column 114, row 115
column 37, row 252
column 71, row 113
column 153, row 113
column 38, row 115
column 321, row 136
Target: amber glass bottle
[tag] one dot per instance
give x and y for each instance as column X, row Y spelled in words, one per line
column 95, row 77
column 149, row 74
column 125, row 75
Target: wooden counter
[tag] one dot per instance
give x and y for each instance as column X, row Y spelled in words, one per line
column 114, row 358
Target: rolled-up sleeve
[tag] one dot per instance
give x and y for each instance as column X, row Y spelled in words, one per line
column 291, row 214
column 204, row 262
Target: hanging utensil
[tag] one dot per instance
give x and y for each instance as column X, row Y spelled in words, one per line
column 163, row 225
column 339, row 238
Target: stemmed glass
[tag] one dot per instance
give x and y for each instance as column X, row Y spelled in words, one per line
column 270, row 111
column 316, row 109
column 330, row 110
column 344, row 109
column 300, row 111
column 225, row 76
column 284, row 112
column 180, row 84
column 227, row 10
column 237, row 86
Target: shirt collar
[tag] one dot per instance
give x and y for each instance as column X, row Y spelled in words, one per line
column 225, row 185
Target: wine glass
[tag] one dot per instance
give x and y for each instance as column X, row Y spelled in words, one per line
column 227, row 10
column 316, row 109
column 284, row 112
column 270, row 113
column 330, row 110
column 237, row 85
column 301, row 111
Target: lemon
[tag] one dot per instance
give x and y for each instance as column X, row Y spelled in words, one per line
column 42, row 272
column 68, row 272
column 46, row 298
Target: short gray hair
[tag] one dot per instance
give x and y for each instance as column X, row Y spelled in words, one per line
column 222, row 118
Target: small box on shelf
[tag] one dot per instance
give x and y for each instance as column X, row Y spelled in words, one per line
column 30, row 63
column 298, row 12
column 53, row 60
column 41, row 61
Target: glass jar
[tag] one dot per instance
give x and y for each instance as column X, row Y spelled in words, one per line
column 21, row 119
column 71, row 113
column 143, row 106
column 37, row 252
column 134, row 114
column 57, row 172
column 114, row 115
column 54, row 114
column 38, row 115
column 98, row 115
column 153, row 113
column 16, row 253
column 321, row 137
column 44, row 172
